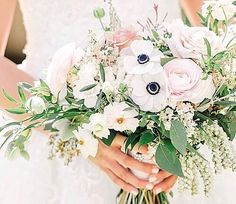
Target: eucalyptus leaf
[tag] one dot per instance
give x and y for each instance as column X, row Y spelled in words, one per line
column 8, row 125
column 21, row 94
column 87, row 88
column 226, row 103
column 178, row 136
column 102, row 73
column 25, row 154
column 18, row 111
column 166, row 158
column 10, row 98
column 208, row 45
column 166, row 60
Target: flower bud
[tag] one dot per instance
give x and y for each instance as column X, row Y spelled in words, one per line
column 35, row 104
column 99, row 13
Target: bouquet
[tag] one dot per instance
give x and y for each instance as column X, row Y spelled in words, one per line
column 169, row 86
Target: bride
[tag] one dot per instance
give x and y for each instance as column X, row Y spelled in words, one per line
column 50, row 25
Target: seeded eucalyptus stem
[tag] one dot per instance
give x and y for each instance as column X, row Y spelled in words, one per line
column 143, row 197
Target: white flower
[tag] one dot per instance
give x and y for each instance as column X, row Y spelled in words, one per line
column 98, row 125
column 88, row 145
column 90, row 96
column 120, row 118
column 65, row 129
column 88, row 69
column 107, row 88
column 58, row 70
column 188, row 42
column 35, row 104
column 220, row 9
column 150, row 92
column 141, row 57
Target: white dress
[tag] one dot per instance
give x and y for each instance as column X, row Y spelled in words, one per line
column 49, row 25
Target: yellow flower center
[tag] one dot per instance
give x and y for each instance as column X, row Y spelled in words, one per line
column 120, row 120
column 81, row 142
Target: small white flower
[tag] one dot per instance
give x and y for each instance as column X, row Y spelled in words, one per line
column 35, row 104
column 141, row 57
column 107, row 88
column 90, row 96
column 150, row 91
column 98, row 125
column 65, row 129
column 120, row 118
column 88, row 145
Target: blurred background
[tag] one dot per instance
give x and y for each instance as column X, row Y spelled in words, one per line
column 17, row 39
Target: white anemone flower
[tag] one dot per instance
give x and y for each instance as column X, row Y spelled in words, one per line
column 141, row 58
column 120, row 118
column 150, row 92
column 98, row 125
column 91, row 95
column 88, row 145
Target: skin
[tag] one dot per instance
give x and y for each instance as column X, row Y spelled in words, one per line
column 111, row 160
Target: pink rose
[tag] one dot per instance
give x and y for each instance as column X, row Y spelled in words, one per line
column 61, row 63
column 186, row 83
column 124, row 37
column 188, row 42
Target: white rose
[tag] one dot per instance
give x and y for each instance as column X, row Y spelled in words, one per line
column 98, row 125
column 188, row 42
column 88, row 145
column 90, row 96
column 220, row 9
column 36, row 105
column 61, row 64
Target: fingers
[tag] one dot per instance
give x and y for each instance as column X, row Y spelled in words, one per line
column 159, row 177
column 125, row 175
column 165, row 185
column 119, row 141
column 129, row 162
column 122, row 184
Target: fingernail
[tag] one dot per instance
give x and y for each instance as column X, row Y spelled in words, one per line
column 149, row 186
column 155, row 170
column 152, row 179
column 134, row 192
column 158, row 191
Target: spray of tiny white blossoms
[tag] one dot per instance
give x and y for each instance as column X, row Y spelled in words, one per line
column 223, row 155
column 195, row 167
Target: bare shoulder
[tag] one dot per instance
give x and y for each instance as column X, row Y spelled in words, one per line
column 7, row 10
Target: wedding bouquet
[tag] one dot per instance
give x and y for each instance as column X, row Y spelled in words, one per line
column 169, row 86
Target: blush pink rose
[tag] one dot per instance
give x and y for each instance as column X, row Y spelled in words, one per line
column 124, row 37
column 61, row 63
column 186, row 83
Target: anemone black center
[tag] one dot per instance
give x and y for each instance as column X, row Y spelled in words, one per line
column 153, row 88
column 143, row 58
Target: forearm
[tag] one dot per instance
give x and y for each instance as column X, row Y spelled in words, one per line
column 7, row 9
column 191, row 9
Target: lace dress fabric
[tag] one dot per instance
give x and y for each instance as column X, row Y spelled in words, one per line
column 49, row 25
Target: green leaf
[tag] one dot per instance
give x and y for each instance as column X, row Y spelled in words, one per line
column 146, row 137
column 8, row 125
column 232, row 128
column 10, row 98
column 208, row 45
column 167, row 159
column 155, row 34
column 26, row 85
column 166, row 60
column 226, row 103
column 18, row 111
column 102, row 73
column 86, row 88
column 131, row 141
column 99, row 100
column 108, row 141
column 21, row 94
column 178, row 136
column 25, row 154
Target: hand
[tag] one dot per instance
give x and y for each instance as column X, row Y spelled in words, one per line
column 116, row 165
column 162, row 181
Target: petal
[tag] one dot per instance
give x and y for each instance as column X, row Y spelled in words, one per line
column 142, row 47
column 139, row 87
column 90, row 102
column 140, row 100
column 149, row 105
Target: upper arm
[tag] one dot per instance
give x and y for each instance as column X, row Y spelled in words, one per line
column 191, row 8
column 7, row 9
